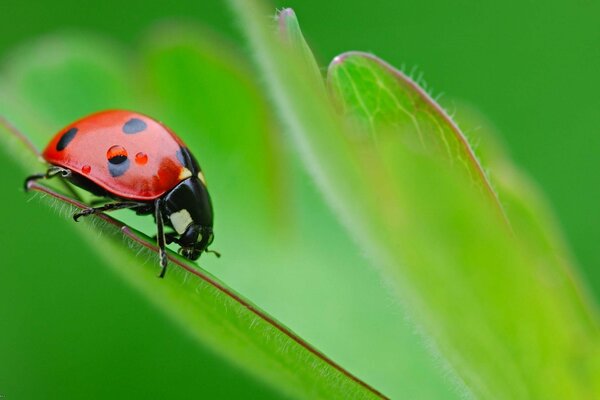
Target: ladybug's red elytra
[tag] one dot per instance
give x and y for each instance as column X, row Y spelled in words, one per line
column 144, row 166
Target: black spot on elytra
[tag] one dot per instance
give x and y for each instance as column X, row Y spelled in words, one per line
column 180, row 156
column 65, row 139
column 118, row 165
column 116, row 160
column 187, row 160
column 134, row 125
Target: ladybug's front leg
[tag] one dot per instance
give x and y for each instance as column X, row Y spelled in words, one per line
column 160, row 237
column 51, row 173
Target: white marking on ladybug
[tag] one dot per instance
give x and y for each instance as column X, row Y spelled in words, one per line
column 201, row 177
column 185, row 173
column 181, row 220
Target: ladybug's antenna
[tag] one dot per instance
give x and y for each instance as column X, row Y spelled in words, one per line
column 216, row 253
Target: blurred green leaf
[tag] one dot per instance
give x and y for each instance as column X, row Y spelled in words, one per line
column 478, row 293
column 302, row 104
column 212, row 313
column 289, row 30
column 63, row 77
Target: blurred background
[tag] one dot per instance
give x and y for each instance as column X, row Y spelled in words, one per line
column 530, row 67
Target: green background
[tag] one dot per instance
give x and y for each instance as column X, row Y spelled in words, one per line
column 530, row 67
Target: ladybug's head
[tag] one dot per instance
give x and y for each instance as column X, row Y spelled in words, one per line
column 195, row 241
column 187, row 208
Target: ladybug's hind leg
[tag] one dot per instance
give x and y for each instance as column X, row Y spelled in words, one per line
column 51, row 173
column 106, row 207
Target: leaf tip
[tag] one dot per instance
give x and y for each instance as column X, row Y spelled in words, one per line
column 286, row 13
column 343, row 58
column 286, row 17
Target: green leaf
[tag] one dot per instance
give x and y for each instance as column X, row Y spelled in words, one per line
column 483, row 294
column 477, row 292
column 529, row 212
column 212, row 313
column 385, row 101
column 220, row 318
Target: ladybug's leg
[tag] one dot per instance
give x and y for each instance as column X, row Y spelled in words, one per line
column 172, row 237
column 106, row 207
column 51, row 173
column 160, row 238
column 97, row 202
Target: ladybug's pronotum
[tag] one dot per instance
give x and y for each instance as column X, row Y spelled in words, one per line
column 142, row 165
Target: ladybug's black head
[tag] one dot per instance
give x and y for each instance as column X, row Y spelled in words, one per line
column 188, row 210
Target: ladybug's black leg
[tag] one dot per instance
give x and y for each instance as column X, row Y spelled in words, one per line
column 160, row 238
column 32, row 178
column 106, row 207
column 51, row 173
column 170, row 237
column 96, row 202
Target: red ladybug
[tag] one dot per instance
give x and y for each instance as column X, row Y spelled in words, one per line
column 144, row 166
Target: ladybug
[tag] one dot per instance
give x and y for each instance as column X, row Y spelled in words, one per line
column 133, row 161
